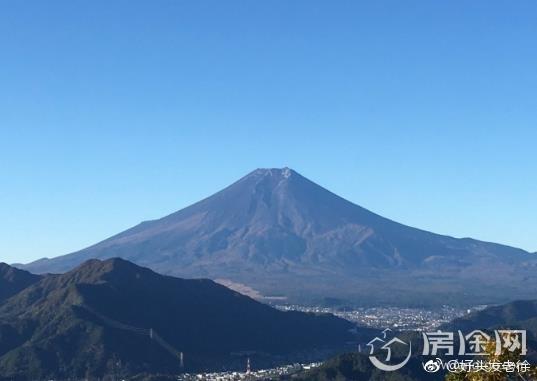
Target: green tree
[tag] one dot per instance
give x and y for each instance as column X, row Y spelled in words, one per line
column 502, row 374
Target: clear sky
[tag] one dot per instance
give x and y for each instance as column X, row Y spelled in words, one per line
column 114, row 112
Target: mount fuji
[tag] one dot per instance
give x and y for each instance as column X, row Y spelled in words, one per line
column 276, row 234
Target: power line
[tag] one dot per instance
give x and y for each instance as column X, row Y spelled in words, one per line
column 150, row 332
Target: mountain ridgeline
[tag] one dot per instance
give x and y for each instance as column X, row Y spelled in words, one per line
column 13, row 280
column 519, row 314
column 276, row 233
column 112, row 316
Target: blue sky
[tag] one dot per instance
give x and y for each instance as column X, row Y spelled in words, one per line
column 114, row 112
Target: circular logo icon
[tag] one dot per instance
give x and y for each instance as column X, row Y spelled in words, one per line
column 432, row 366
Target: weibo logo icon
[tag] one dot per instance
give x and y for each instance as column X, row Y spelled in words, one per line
column 433, row 366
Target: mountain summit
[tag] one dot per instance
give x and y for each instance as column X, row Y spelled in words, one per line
column 276, row 233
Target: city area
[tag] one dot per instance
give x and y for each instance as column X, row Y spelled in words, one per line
column 260, row 374
column 401, row 319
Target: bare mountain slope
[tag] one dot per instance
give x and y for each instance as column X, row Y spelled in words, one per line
column 281, row 234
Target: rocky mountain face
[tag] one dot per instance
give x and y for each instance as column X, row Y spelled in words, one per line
column 276, row 233
column 114, row 317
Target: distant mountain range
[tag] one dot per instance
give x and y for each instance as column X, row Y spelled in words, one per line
column 274, row 233
column 117, row 318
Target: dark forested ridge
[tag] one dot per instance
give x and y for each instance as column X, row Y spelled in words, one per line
column 520, row 314
column 111, row 312
column 13, row 280
column 357, row 367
